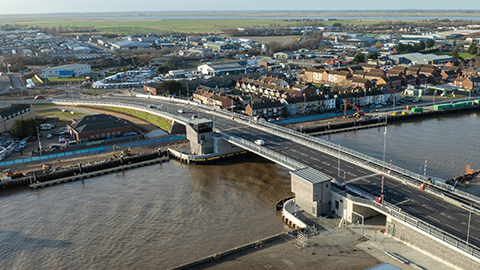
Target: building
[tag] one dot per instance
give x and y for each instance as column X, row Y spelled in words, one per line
column 73, row 70
column 418, row 58
column 151, row 89
column 129, row 45
column 200, row 136
column 97, row 127
column 217, row 46
column 312, row 191
column 17, row 112
column 264, row 109
column 283, row 55
column 222, row 69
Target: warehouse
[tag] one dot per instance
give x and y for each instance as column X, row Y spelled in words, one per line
column 221, row 69
column 73, row 70
column 418, row 58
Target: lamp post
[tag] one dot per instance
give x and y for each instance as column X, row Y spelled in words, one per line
column 469, row 219
column 382, row 191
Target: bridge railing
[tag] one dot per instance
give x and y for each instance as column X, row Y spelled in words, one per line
column 423, row 226
column 328, row 147
column 335, row 149
column 263, row 151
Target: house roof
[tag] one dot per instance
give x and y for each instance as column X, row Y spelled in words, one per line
column 265, row 105
column 97, row 122
column 17, row 109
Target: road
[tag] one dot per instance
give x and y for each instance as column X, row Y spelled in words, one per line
column 434, row 210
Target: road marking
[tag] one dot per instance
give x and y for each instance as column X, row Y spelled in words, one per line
column 425, row 198
column 406, row 190
column 437, row 220
column 429, row 208
column 448, row 216
column 367, row 188
column 456, row 229
column 415, row 210
column 360, row 178
column 402, row 202
column 348, row 166
column 442, row 205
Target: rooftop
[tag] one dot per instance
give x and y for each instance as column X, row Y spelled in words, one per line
column 311, row 175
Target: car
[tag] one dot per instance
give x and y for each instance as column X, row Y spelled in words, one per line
column 49, row 136
column 378, row 106
column 61, row 139
column 194, row 116
column 32, row 138
column 260, row 142
column 55, row 147
column 63, row 129
column 150, row 106
column 49, row 99
column 47, row 87
column 181, row 111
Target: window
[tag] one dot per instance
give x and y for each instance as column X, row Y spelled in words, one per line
column 337, row 205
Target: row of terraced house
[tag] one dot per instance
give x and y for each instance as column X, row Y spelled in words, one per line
column 367, row 76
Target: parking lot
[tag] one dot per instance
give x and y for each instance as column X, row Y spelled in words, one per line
column 32, row 143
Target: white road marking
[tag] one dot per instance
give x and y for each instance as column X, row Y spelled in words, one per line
column 441, row 205
column 415, row 210
column 448, row 216
column 402, row 202
column 425, row 198
column 367, row 188
column 456, row 229
column 437, row 220
column 360, row 178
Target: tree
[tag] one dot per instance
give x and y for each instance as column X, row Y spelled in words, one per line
column 455, row 54
column 419, row 46
column 23, row 128
column 472, row 49
column 359, row 58
column 154, row 45
column 378, row 45
column 170, row 87
column 337, row 25
column 372, row 55
column 430, row 43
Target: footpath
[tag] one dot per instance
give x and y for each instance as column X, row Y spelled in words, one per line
column 330, row 247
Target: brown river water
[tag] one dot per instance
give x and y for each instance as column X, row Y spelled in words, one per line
column 167, row 214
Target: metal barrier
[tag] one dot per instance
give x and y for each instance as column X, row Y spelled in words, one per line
column 398, row 214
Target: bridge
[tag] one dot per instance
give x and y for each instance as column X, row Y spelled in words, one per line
column 440, row 212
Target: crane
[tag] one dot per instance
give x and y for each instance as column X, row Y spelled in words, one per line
column 125, row 150
column 357, row 114
column 48, row 166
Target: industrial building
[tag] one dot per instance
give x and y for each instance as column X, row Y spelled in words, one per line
column 418, row 58
column 73, row 70
column 222, row 69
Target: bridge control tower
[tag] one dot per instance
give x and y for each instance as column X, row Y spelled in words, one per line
column 200, row 135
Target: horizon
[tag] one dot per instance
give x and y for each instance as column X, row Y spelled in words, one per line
column 57, row 7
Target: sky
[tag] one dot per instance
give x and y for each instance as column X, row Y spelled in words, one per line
column 66, row 6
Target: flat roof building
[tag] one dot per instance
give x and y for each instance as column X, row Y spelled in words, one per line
column 418, row 58
column 73, row 70
column 222, row 69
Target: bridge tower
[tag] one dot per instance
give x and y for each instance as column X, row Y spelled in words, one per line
column 200, row 135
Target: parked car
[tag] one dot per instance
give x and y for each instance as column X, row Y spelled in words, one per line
column 32, row 138
column 62, row 139
column 181, row 111
column 36, row 151
column 194, row 116
column 54, row 147
column 49, row 136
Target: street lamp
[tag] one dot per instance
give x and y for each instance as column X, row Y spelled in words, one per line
column 382, row 191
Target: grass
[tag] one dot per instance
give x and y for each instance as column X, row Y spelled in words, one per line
column 158, row 121
column 464, row 55
column 64, row 79
column 37, row 106
column 62, row 116
column 130, row 27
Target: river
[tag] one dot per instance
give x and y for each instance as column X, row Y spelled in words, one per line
column 166, row 214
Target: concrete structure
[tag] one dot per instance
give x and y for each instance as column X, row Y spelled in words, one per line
column 312, row 191
column 73, row 70
column 96, row 127
column 17, row 112
column 200, row 135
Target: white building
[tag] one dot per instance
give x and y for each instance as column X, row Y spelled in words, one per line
column 73, row 70
column 221, row 69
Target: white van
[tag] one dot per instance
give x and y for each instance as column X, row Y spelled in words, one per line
column 260, row 142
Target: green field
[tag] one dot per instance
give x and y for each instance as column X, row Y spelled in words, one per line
column 65, row 79
column 129, row 27
column 464, row 55
column 158, row 121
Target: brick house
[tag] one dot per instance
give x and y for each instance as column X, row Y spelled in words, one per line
column 448, row 75
column 264, row 109
column 96, row 127
column 151, row 88
column 361, row 82
column 469, row 83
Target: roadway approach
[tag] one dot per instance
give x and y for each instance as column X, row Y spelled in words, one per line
column 420, row 204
